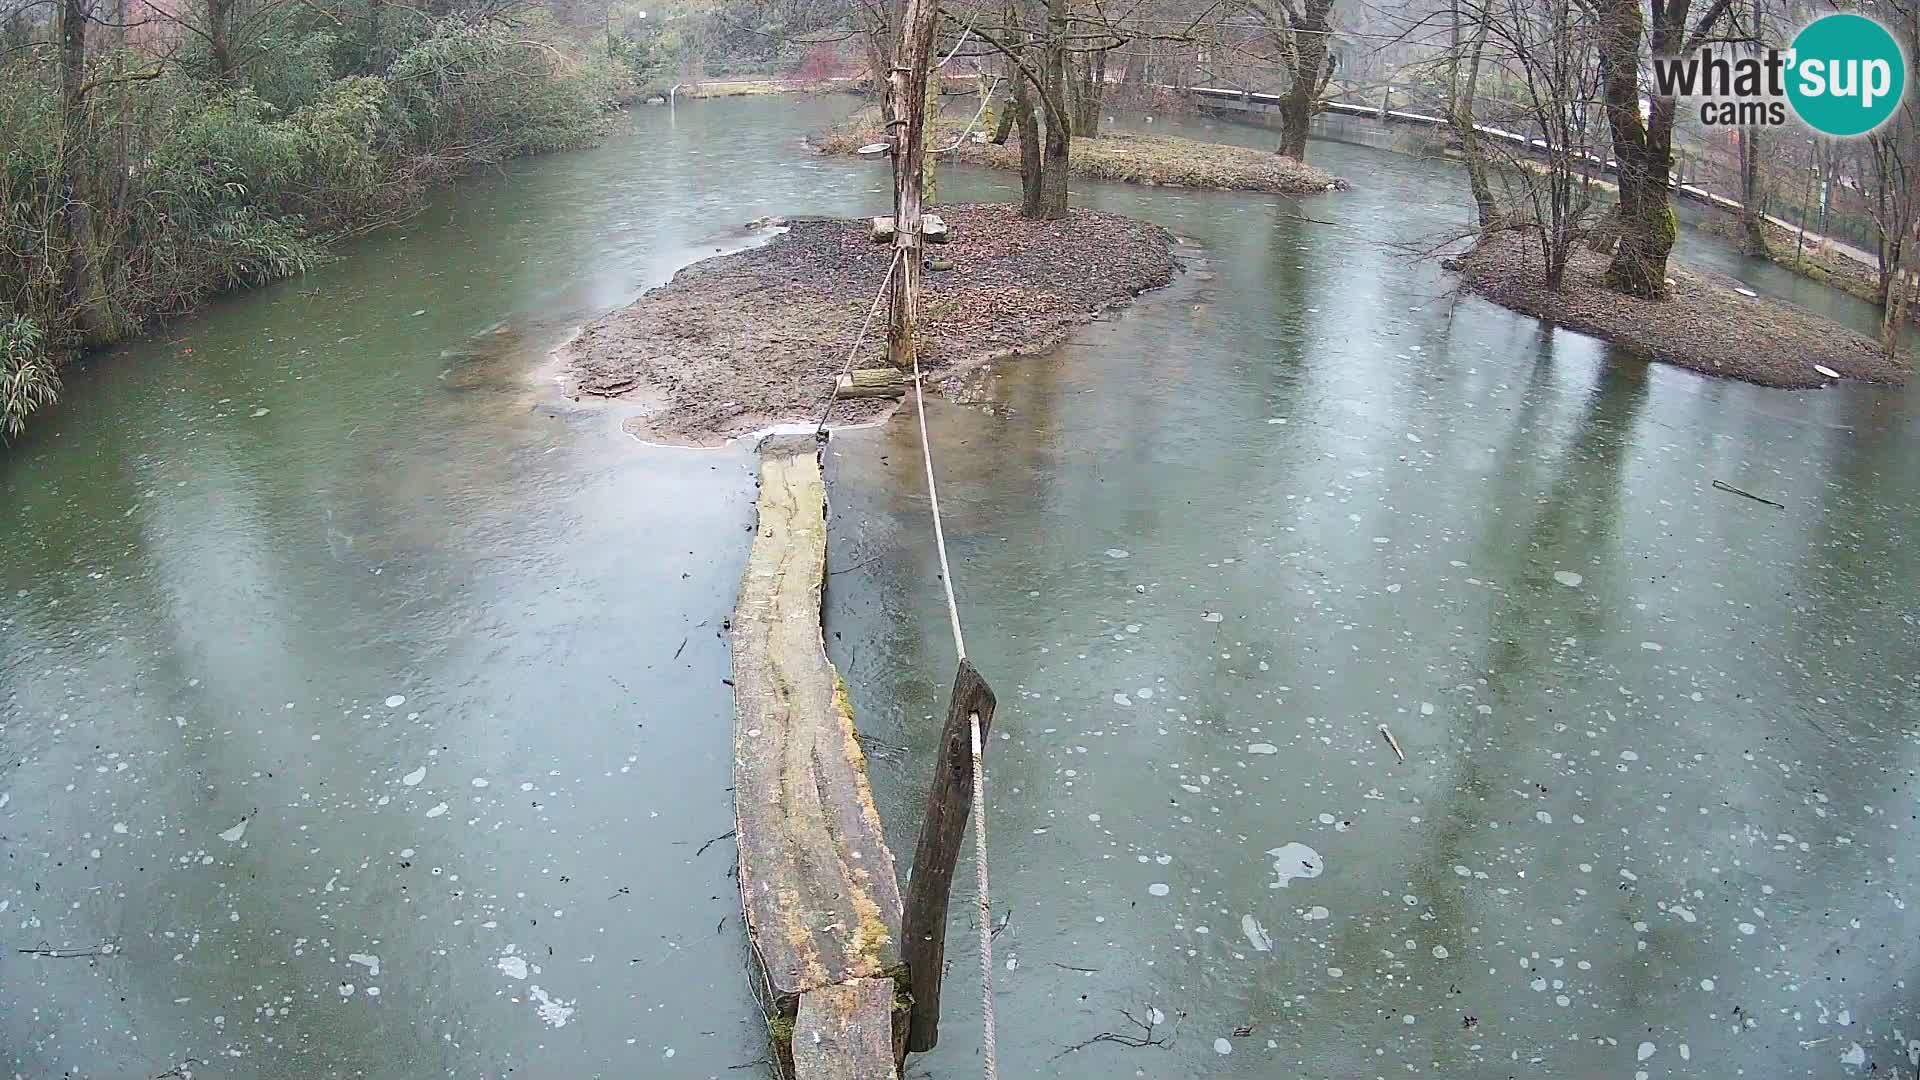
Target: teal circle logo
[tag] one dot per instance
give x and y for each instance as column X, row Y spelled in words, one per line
column 1847, row 76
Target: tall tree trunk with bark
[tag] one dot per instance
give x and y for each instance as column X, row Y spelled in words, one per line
column 1302, row 33
column 1089, row 93
column 80, row 274
column 1021, row 109
column 1753, row 230
column 1057, row 149
column 1460, row 116
column 1644, row 153
column 220, row 39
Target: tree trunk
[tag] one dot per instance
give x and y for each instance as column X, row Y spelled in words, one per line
column 1058, row 147
column 1461, row 116
column 1089, row 92
column 1644, row 155
column 1312, row 68
column 1022, row 111
column 80, row 275
column 219, row 39
column 1894, row 315
column 907, row 96
column 376, row 35
column 1753, row 226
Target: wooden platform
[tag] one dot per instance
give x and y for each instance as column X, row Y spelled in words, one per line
column 817, row 881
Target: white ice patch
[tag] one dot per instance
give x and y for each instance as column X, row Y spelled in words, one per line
column 512, row 964
column 479, row 781
column 368, row 961
column 438, row 809
column 1645, row 1051
column 1854, row 1056
column 396, row 700
column 1653, row 646
column 1222, row 1046
column 414, row 777
column 1122, row 699
column 1262, row 748
column 1568, row 578
column 1543, row 817
column 1748, row 928
column 1440, row 952
column 1294, row 860
column 1257, row 935
column 1116, row 553
column 1317, row 913
column 1685, row 914
column 1211, row 616
column 233, row 835
column 555, row 1012
column 1158, row 888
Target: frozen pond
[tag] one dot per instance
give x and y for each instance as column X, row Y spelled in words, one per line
column 336, row 657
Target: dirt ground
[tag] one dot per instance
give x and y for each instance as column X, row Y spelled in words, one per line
column 1704, row 324
column 740, row 342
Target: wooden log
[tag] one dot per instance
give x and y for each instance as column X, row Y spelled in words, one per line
column 933, row 229
column 816, row 878
column 871, row 382
column 845, row 1032
column 923, row 930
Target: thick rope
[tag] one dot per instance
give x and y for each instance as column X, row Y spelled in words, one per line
column 979, row 764
column 933, row 497
column 986, row 909
column 833, row 392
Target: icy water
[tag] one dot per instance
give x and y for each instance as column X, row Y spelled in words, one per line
column 1658, row 813
column 339, row 657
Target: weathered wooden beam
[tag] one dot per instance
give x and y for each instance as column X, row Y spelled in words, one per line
column 871, row 382
column 816, row 878
column 923, row 930
column 933, row 229
column 845, row 1032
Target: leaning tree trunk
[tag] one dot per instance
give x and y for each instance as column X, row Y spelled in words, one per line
column 1312, row 69
column 1644, row 154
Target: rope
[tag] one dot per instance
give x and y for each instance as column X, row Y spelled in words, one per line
column 979, row 765
column 986, row 910
column 933, row 497
column 833, row 391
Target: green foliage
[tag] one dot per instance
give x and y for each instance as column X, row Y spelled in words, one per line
column 188, row 187
column 27, row 379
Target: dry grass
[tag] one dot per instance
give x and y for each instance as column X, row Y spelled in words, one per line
column 1703, row 324
column 1128, row 158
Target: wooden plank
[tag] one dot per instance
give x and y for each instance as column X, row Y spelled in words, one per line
column 942, row 829
column 816, row 878
column 845, row 1032
column 871, row 382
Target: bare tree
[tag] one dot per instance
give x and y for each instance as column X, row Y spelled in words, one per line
column 1643, row 144
column 1301, row 33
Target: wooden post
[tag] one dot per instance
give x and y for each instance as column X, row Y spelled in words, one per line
column 906, row 99
column 923, row 920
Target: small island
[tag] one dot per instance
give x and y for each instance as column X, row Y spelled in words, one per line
column 1124, row 157
column 742, row 342
column 1705, row 322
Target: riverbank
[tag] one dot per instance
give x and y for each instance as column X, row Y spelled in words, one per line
column 1705, row 324
column 745, row 341
column 1154, row 160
